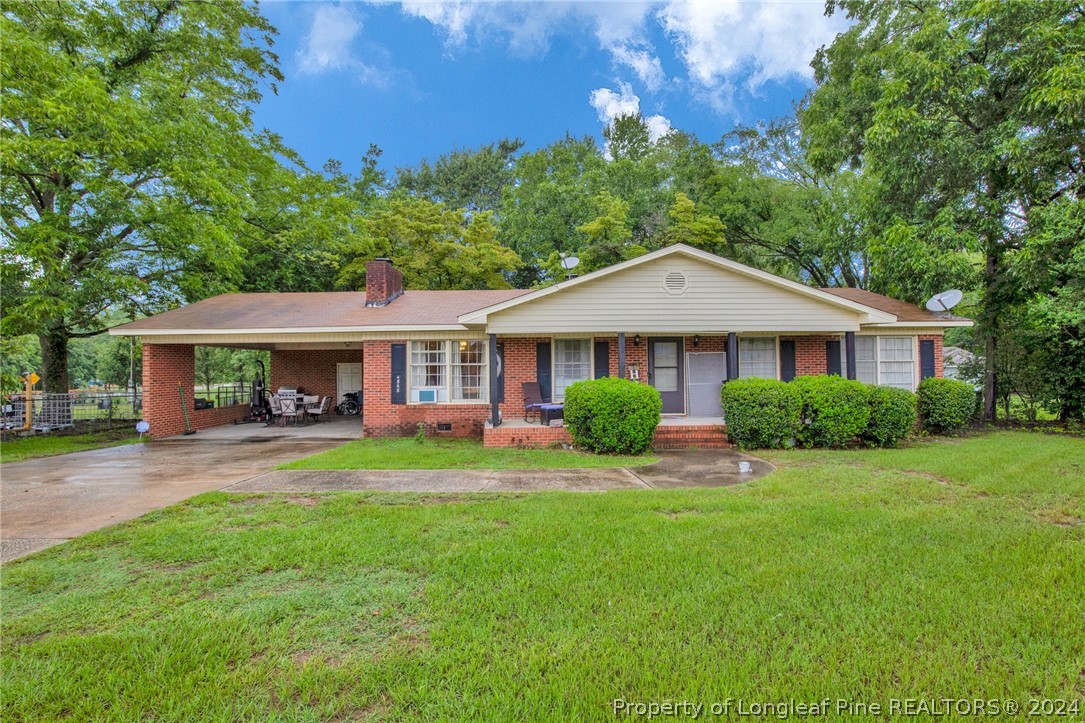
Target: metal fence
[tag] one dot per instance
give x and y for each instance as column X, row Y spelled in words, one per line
column 223, row 395
column 63, row 411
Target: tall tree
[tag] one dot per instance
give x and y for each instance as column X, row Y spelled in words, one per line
column 126, row 153
column 436, row 247
column 472, row 179
column 969, row 116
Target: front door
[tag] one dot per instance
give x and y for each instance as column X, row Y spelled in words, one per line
column 665, row 372
column 348, row 378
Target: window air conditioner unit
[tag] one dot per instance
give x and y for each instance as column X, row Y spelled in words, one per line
column 427, row 395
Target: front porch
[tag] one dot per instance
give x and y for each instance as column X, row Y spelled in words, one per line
column 672, row 433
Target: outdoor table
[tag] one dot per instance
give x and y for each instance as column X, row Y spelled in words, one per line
column 548, row 412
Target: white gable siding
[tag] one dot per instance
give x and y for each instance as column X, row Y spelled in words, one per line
column 635, row 300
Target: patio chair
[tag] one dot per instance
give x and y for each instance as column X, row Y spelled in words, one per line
column 289, row 410
column 319, row 413
column 276, row 408
column 533, row 400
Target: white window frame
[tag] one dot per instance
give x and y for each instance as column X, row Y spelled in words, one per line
column 554, row 363
column 775, row 353
column 878, row 361
column 446, row 392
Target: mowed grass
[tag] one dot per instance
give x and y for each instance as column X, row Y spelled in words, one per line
column 950, row 569
column 48, row 445
column 455, row 454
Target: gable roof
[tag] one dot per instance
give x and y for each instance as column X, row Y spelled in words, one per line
column 869, row 314
column 316, row 311
column 904, row 311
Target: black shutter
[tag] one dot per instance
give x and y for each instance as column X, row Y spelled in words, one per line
column 926, row 358
column 500, row 393
column 787, row 360
column 542, row 368
column 602, row 359
column 832, row 357
column 399, row 374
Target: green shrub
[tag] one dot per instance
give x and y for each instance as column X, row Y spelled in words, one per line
column 945, row 405
column 612, row 415
column 835, row 411
column 892, row 416
column 761, row 412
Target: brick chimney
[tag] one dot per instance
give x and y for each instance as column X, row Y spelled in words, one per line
column 383, row 282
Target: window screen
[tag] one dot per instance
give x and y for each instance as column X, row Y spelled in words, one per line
column 469, row 377
column 866, row 360
column 757, row 358
column 572, row 362
column 896, row 358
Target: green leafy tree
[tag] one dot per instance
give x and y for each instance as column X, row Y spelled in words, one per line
column 472, row 179
column 436, row 247
column 967, row 116
column 126, row 156
column 608, row 234
column 688, row 226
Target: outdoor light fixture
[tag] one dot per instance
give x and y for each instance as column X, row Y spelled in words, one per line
column 636, row 340
column 696, row 340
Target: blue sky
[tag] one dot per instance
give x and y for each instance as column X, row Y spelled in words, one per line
column 419, row 78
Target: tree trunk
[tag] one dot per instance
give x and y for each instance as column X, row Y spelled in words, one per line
column 54, row 359
column 990, row 314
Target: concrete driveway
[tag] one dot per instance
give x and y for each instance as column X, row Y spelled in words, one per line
column 46, row 501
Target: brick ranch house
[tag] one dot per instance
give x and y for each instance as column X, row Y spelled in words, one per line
column 680, row 319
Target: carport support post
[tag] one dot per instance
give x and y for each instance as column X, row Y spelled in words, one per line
column 732, row 355
column 621, row 354
column 849, row 353
column 495, row 412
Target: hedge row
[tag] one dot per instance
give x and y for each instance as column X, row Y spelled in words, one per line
column 819, row 411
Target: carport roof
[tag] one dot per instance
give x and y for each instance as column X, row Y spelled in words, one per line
column 306, row 311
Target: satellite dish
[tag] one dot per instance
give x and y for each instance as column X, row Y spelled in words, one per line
column 569, row 262
column 945, row 300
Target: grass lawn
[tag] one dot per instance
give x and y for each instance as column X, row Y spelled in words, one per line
column 454, row 454
column 47, row 445
column 949, row 569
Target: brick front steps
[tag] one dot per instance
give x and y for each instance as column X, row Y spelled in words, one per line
column 701, row 436
column 667, row 437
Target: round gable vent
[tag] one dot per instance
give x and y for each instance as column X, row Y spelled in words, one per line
column 675, row 283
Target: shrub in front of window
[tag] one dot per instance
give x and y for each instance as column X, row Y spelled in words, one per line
column 612, row 415
column 761, row 412
column 892, row 416
column 835, row 410
column 945, row 405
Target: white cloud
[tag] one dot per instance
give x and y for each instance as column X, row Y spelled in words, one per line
column 328, row 44
column 723, row 42
column 647, row 66
column 725, row 45
column 610, row 104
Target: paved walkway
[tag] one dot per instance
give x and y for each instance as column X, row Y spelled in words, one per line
column 46, row 501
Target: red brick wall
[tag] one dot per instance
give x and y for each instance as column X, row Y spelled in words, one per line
column 811, row 358
column 314, row 370
column 939, row 360
column 164, row 367
column 381, row 418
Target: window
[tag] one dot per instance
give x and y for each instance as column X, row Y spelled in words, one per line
column 449, row 370
column 757, row 357
column 572, row 362
column 896, row 362
column 886, row 360
column 469, row 379
column 429, row 371
column 866, row 359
